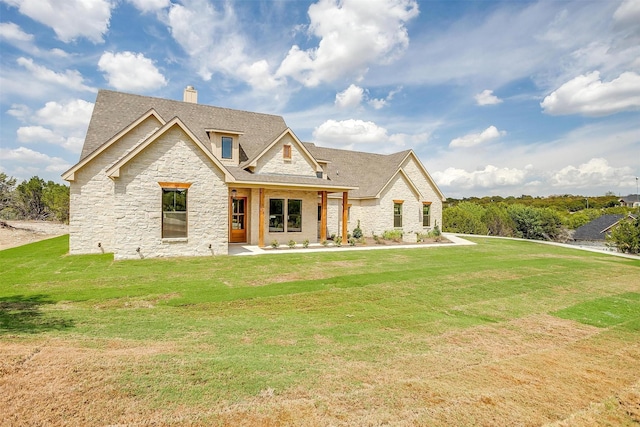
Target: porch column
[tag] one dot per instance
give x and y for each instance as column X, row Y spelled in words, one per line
column 261, row 220
column 345, row 215
column 323, row 216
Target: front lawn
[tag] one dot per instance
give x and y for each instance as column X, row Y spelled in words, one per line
column 501, row 333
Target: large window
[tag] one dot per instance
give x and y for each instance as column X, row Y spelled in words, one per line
column 426, row 214
column 397, row 214
column 227, row 147
column 174, row 212
column 276, row 215
column 294, row 215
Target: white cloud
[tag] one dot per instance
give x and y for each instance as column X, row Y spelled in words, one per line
column 628, row 13
column 353, row 35
column 596, row 172
column 12, row 32
column 348, row 132
column 486, row 97
column 74, row 114
column 61, row 124
column 21, row 156
column 474, row 139
column 130, row 71
column 69, row 19
column 588, row 95
column 150, row 5
column 350, row 97
column 210, row 37
column 71, row 79
column 489, row 177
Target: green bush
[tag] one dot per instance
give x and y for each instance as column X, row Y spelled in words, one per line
column 626, row 236
column 395, row 235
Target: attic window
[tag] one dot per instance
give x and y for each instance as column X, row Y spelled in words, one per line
column 227, row 147
column 286, row 152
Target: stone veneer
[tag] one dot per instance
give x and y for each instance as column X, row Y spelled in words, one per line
column 134, row 199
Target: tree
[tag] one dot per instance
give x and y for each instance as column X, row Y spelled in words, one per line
column 498, row 221
column 626, row 236
column 466, row 217
column 56, row 199
column 7, row 188
column 29, row 199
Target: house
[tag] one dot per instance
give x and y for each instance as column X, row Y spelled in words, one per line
column 595, row 233
column 159, row 177
column 630, row 201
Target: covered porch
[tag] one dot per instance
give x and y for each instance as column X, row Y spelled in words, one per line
column 260, row 213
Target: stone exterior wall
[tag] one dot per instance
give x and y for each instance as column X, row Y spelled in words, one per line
column 272, row 162
column 91, row 215
column 376, row 215
column 309, row 217
column 418, row 177
column 138, row 201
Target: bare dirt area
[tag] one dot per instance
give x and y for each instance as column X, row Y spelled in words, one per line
column 18, row 233
column 536, row 371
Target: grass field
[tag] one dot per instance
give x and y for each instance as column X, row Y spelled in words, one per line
column 503, row 333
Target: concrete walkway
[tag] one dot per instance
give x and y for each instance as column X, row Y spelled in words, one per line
column 455, row 239
column 247, row 250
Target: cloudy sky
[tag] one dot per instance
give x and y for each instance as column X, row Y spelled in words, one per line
column 495, row 97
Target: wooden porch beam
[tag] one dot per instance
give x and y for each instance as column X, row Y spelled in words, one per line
column 261, row 220
column 323, row 216
column 345, row 216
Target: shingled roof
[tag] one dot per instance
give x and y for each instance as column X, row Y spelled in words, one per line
column 369, row 172
column 596, row 229
column 365, row 174
column 113, row 111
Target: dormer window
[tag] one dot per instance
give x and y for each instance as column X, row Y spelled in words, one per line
column 227, row 147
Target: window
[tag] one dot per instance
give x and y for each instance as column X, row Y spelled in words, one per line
column 286, row 152
column 276, row 215
column 319, row 174
column 227, row 147
column 174, row 212
column 397, row 213
column 426, row 214
column 294, row 215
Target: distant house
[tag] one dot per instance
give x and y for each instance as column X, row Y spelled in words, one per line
column 630, row 201
column 596, row 231
column 158, row 177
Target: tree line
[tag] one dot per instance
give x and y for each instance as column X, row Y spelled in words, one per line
column 33, row 199
column 539, row 219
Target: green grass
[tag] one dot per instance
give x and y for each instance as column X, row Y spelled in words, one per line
column 240, row 325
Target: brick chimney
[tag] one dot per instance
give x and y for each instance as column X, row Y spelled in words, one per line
column 190, row 95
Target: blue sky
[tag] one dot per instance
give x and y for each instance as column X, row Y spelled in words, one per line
column 495, row 97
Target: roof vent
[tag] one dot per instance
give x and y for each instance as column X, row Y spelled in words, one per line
column 190, row 95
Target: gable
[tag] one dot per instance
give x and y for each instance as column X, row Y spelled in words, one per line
column 400, row 186
column 128, row 137
column 285, row 156
column 412, row 166
column 165, row 132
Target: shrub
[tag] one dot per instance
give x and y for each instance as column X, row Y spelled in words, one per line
column 275, row 244
column 352, row 242
column 325, row 243
column 291, row 244
column 395, row 235
column 626, row 236
column 357, row 232
column 305, row 243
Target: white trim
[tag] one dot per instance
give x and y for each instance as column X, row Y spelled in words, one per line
column 69, row 175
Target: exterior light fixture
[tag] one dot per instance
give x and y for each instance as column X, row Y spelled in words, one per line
column 233, row 193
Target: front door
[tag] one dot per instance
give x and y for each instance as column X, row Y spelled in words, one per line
column 238, row 220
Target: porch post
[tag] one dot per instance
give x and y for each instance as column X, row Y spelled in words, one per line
column 323, row 216
column 261, row 220
column 345, row 215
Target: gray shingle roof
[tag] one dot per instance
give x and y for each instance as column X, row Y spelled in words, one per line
column 114, row 111
column 593, row 231
column 368, row 171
